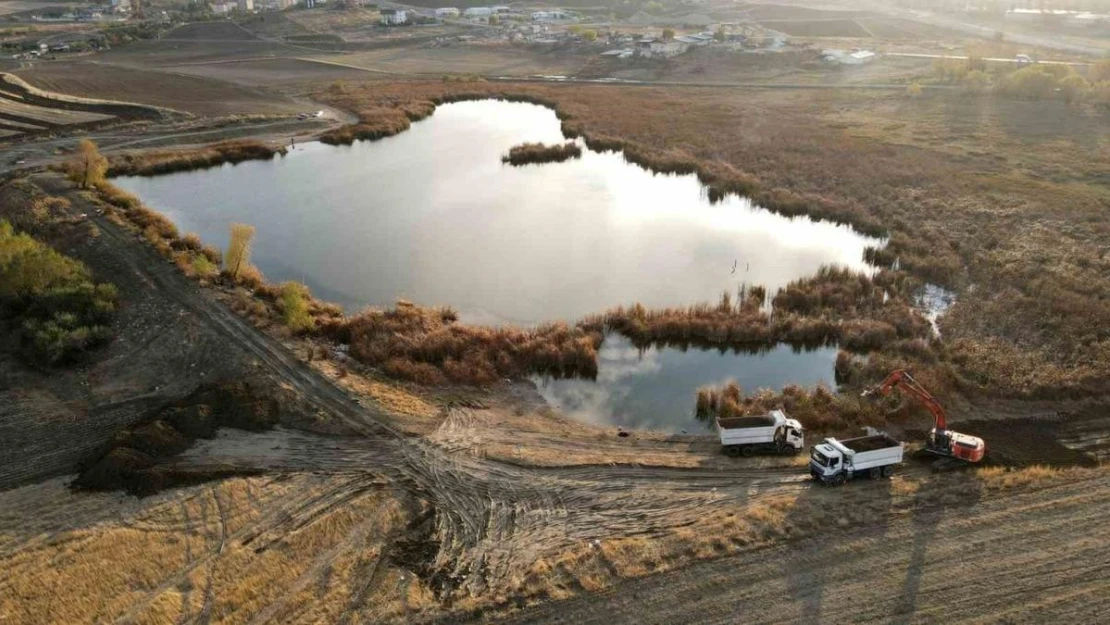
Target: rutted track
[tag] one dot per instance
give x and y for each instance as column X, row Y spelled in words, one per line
column 493, row 519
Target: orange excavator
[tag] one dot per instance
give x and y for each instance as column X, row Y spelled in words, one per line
column 941, row 441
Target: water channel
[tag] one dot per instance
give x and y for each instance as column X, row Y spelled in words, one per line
column 432, row 215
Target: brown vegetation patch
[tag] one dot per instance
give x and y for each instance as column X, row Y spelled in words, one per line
column 530, row 153
column 158, row 162
column 816, row 409
column 835, row 306
column 426, row 345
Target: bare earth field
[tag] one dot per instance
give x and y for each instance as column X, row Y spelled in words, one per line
column 175, row 91
column 376, row 501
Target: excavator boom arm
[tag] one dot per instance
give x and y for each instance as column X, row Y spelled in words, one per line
column 905, row 382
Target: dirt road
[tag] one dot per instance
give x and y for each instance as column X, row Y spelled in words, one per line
column 1031, row 558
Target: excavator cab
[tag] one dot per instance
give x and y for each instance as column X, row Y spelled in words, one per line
column 941, row 440
column 961, row 446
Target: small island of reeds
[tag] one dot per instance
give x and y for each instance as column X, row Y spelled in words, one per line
column 527, row 153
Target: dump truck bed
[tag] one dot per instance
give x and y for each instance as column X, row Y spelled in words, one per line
column 870, row 443
column 754, row 421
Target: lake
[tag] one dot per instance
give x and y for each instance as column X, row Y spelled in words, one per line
column 432, row 215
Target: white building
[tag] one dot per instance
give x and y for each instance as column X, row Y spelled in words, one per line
column 246, row 6
column 478, row 12
column 660, row 48
column 547, row 16
column 393, row 17
column 855, row 57
column 222, row 8
column 447, row 12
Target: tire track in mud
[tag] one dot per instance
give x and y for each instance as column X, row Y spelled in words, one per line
column 947, row 563
column 491, row 518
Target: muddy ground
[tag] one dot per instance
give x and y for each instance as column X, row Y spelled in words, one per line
column 374, row 502
column 473, row 506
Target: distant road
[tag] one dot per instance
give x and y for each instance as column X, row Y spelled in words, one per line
column 992, row 60
column 951, row 23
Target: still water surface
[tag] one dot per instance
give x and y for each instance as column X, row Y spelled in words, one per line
column 432, row 215
column 655, row 389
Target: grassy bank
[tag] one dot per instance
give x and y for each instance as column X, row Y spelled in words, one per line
column 531, row 153
column 158, row 162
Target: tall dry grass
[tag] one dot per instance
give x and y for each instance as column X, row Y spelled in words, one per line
column 835, row 306
column 532, row 153
column 818, row 408
column 158, row 162
column 428, row 346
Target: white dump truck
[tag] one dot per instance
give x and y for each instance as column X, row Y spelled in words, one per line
column 769, row 433
column 835, row 462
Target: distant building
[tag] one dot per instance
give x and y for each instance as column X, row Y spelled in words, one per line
column 547, row 16
column 501, row 10
column 446, row 12
column 222, row 8
column 478, row 12
column 695, row 41
column 246, row 6
column 660, row 48
column 393, row 17
column 855, row 57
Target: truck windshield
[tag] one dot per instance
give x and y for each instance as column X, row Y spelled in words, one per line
column 819, row 458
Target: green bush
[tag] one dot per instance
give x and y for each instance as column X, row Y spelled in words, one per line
column 294, row 307
column 50, row 308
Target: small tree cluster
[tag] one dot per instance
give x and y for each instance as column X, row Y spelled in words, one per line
column 50, row 307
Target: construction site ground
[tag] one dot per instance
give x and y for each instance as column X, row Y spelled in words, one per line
column 374, row 501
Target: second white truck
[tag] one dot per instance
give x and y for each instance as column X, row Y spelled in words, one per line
column 835, row 462
column 769, row 433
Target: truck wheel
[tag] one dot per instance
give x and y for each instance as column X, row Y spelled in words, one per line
column 838, row 479
column 748, row 451
column 732, row 451
column 875, row 472
column 888, row 470
column 791, row 450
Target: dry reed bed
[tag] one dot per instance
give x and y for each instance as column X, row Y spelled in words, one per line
column 835, row 306
column 534, row 153
column 816, row 409
column 166, row 161
column 1009, row 208
column 426, row 345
